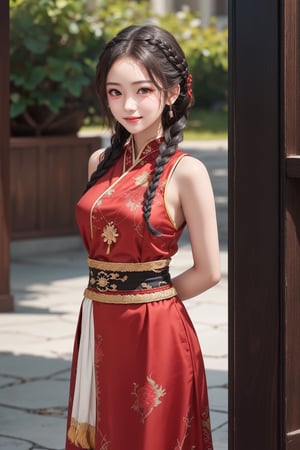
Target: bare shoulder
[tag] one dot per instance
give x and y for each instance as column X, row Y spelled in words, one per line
column 190, row 169
column 94, row 160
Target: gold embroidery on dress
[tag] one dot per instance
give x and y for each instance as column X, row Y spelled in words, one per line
column 104, row 444
column 156, row 266
column 206, row 428
column 146, row 286
column 110, row 235
column 146, row 297
column 99, row 356
column 142, row 179
column 133, row 206
column 103, row 281
column 188, row 424
column 147, row 397
column 109, row 191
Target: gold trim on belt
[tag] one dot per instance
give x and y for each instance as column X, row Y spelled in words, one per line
column 145, row 297
column 129, row 267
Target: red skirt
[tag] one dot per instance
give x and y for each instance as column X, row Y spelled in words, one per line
column 150, row 380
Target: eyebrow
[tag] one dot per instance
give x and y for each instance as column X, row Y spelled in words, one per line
column 135, row 82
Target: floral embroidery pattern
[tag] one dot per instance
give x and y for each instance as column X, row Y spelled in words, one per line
column 206, row 428
column 104, row 444
column 146, row 286
column 142, row 179
column 147, row 397
column 103, row 280
column 188, row 423
column 109, row 234
column 99, row 356
column 132, row 205
column 109, row 192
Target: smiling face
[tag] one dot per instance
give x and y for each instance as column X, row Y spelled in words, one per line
column 134, row 100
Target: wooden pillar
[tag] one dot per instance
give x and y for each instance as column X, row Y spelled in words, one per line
column 256, row 223
column 291, row 185
column 6, row 300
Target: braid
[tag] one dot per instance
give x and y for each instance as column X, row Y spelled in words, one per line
column 176, row 60
column 111, row 154
column 173, row 128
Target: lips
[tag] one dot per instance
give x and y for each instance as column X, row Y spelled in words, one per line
column 132, row 119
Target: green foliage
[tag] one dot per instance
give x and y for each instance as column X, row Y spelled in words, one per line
column 206, row 124
column 52, row 50
column 55, row 46
column 206, row 50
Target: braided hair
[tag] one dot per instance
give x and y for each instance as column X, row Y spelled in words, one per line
column 158, row 51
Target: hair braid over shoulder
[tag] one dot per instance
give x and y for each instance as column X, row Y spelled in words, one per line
column 111, row 154
column 173, row 129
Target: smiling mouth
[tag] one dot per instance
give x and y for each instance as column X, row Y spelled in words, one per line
column 132, row 119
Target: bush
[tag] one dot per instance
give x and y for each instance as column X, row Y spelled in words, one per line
column 52, row 57
column 55, row 45
column 206, row 50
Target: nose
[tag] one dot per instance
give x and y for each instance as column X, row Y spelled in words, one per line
column 129, row 104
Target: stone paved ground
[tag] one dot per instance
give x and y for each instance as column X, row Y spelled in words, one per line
column 47, row 277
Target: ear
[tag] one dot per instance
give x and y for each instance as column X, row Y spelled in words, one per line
column 173, row 93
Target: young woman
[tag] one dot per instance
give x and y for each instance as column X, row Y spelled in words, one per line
column 138, row 380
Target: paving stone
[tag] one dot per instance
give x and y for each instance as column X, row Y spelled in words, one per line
column 14, row 444
column 217, row 364
column 217, row 421
column 36, row 395
column 220, row 438
column 4, row 381
column 48, row 432
column 29, row 366
column 217, row 378
column 218, row 399
column 213, row 342
column 50, row 327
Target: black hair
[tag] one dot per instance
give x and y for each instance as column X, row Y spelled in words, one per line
column 158, row 51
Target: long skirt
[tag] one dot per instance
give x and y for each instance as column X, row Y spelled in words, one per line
column 140, row 379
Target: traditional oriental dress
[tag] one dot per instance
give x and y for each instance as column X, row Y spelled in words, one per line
column 137, row 380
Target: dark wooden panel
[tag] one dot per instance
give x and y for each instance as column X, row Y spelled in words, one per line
column 293, row 166
column 292, row 307
column 57, row 186
column 6, row 300
column 293, row 442
column 291, row 329
column 24, row 189
column 255, row 248
column 79, row 176
column 50, row 176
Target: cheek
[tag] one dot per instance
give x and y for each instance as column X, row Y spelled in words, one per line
column 114, row 106
column 153, row 104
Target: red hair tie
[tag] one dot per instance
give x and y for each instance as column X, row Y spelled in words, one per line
column 189, row 85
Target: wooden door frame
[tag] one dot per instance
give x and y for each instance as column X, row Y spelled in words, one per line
column 255, row 225
column 264, row 225
column 6, row 300
column 291, row 188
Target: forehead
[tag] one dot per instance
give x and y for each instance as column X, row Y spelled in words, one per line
column 126, row 68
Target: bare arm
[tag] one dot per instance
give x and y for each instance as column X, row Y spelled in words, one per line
column 94, row 161
column 192, row 200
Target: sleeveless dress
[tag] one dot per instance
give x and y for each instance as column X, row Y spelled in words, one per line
column 137, row 379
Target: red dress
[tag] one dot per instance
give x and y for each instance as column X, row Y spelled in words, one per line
column 150, row 386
